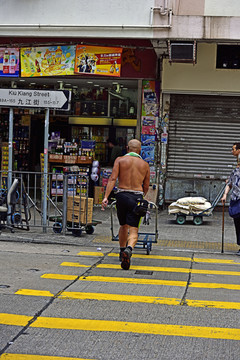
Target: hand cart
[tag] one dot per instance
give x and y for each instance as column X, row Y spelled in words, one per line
column 59, row 218
column 145, row 239
column 78, row 207
column 198, row 217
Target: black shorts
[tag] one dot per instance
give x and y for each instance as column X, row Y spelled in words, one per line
column 126, row 202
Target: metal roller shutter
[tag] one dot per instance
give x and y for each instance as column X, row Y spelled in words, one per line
column 202, row 130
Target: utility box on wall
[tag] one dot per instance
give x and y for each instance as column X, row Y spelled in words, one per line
column 182, row 51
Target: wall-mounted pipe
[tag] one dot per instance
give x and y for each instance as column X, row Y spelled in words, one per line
column 72, row 26
column 164, row 11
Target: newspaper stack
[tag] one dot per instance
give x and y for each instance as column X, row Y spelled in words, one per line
column 190, row 205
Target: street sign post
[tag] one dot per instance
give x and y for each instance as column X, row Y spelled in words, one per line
column 26, row 98
column 46, row 99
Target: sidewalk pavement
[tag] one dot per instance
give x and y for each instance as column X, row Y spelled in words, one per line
column 205, row 237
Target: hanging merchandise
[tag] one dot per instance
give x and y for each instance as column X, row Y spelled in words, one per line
column 164, row 137
column 95, row 171
column 96, row 60
column 47, row 61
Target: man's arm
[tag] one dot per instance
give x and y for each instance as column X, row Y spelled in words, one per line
column 111, row 182
column 224, row 198
column 146, row 181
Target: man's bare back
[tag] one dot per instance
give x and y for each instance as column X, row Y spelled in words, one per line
column 132, row 173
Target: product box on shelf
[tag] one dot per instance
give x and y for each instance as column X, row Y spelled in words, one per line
column 84, row 159
column 57, row 177
column 98, row 194
column 56, row 191
column 104, row 182
column 55, row 158
column 70, row 159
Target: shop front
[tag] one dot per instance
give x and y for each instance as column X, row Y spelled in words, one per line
column 105, row 104
column 200, row 142
column 201, row 116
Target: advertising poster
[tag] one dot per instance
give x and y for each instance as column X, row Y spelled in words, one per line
column 148, row 121
column 9, row 62
column 147, row 140
column 47, row 61
column 148, row 154
column 150, row 106
column 105, row 61
column 148, row 130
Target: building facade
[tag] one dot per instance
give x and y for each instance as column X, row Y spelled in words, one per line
column 183, row 51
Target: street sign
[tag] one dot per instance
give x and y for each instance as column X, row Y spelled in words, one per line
column 25, row 98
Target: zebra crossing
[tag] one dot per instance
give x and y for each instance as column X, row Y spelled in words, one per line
column 163, row 274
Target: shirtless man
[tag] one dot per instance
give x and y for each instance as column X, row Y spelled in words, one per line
column 133, row 175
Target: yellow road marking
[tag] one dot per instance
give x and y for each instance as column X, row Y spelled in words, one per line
column 30, row 292
column 217, row 261
column 90, row 253
column 133, row 299
column 59, row 277
column 75, row 264
column 170, row 269
column 158, row 268
column 7, row 356
column 213, row 304
column 214, row 286
column 105, row 297
column 126, row 327
column 34, row 292
column 12, row 319
column 179, row 258
column 143, row 281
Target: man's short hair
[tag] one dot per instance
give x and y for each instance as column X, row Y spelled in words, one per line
column 237, row 146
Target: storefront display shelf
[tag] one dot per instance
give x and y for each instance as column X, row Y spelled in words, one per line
column 70, row 159
column 75, row 186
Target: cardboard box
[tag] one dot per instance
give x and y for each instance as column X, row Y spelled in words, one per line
column 79, row 209
column 79, row 217
column 73, row 203
column 98, row 194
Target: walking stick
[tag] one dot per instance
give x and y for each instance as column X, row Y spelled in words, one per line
column 223, row 228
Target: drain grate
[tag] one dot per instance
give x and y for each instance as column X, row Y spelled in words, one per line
column 143, row 272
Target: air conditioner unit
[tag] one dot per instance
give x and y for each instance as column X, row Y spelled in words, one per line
column 182, row 51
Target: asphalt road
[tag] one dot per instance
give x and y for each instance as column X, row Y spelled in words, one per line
column 75, row 302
